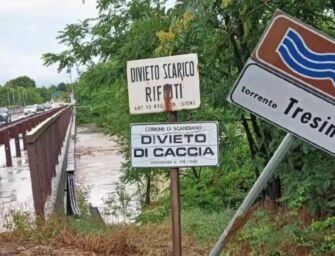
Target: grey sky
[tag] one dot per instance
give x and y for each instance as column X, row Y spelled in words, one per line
column 28, row 29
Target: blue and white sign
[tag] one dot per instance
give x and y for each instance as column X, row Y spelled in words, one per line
column 302, row 60
column 287, row 105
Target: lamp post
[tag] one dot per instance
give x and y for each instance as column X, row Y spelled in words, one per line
column 69, row 71
column 13, row 96
column 24, row 96
column 8, row 98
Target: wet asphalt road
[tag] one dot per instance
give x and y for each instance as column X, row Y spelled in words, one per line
column 15, row 185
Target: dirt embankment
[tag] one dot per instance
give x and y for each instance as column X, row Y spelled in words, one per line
column 12, row 248
column 149, row 240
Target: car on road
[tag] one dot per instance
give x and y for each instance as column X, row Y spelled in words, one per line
column 40, row 108
column 30, row 110
column 47, row 106
column 5, row 116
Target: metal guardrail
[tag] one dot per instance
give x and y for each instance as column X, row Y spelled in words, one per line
column 21, row 126
column 44, row 144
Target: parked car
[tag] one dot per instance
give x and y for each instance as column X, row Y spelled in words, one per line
column 40, row 108
column 30, row 110
column 47, row 106
column 5, row 116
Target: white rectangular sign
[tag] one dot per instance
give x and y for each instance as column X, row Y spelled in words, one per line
column 287, row 105
column 174, row 144
column 163, row 84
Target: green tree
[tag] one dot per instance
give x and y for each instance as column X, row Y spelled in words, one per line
column 45, row 93
column 62, row 87
column 223, row 34
column 105, row 82
column 3, row 96
column 21, row 81
column 33, row 96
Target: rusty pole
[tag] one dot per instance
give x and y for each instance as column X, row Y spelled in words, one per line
column 17, row 141
column 17, row 146
column 175, row 202
column 24, row 139
column 252, row 195
column 7, row 150
column 174, row 177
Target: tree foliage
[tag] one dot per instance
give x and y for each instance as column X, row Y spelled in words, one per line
column 223, row 34
column 22, row 91
column 21, row 81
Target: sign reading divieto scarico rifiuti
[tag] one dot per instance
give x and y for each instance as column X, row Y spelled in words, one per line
column 163, row 84
column 174, row 144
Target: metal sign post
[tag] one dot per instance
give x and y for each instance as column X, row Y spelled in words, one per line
column 166, row 84
column 174, row 145
column 175, row 201
column 254, row 192
column 291, row 84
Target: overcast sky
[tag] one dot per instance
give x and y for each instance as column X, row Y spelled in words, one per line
column 28, row 28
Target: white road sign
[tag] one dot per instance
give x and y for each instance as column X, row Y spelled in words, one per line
column 163, row 84
column 287, row 105
column 174, row 144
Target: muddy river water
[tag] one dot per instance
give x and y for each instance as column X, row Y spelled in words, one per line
column 98, row 171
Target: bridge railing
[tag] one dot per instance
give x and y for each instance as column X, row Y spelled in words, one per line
column 44, row 144
column 20, row 127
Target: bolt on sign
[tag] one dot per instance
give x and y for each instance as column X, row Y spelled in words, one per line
column 288, row 105
column 300, row 52
column 174, row 144
column 163, row 84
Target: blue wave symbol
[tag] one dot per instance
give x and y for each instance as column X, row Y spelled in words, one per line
column 303, row 61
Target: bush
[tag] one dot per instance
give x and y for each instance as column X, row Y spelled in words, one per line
column 205, row 226
column 308, row 181
column 216, row 189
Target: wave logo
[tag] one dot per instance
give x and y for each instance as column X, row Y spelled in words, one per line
column 294, row 52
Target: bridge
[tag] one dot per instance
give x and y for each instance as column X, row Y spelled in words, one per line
column 37, row 163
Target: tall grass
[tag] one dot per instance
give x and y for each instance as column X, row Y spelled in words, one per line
column 205, row 226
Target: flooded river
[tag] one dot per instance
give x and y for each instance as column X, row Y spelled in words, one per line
column 98, row 173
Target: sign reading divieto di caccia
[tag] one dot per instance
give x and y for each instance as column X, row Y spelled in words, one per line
column 163, row 84
column 174, row 144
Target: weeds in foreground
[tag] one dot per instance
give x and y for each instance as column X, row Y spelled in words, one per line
column 283, row 232
column 18, row 220
column 270, row 232
column 119, row 205
column 61, row 232
column 87, row 234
